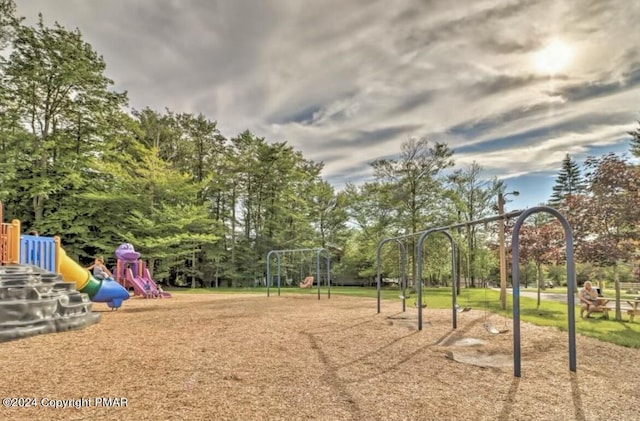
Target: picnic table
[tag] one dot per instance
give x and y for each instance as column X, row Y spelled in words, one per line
column 632, row 312
column 634, row 308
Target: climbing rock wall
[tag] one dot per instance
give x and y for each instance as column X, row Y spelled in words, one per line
column 33, row 301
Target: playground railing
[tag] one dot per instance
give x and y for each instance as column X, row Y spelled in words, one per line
column 38, row 251
column 44, row 252
column 10, row 243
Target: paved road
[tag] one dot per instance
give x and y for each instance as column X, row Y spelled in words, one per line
column 551, row 296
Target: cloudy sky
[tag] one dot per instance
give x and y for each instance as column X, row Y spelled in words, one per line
column 514, row 85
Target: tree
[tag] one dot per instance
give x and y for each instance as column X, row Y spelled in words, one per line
column 193, row 145
column 473, row 198
column 417, row 181
column 541, row 244
column 272, row 202
column 635, row 142
column 163, row 219
column 328, row 217
column 607, row 217
column 55, row 86
column 568, row 183
column 8, row 21
column 370, row 209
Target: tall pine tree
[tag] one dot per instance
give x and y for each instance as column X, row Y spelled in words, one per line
column 569, row 182
column 635, row 142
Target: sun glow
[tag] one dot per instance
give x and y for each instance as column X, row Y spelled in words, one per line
column 554, row 58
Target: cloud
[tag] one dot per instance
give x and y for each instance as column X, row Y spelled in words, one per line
column 364, row 138
column 581, row 124
column 348, row 82
column 546, row 155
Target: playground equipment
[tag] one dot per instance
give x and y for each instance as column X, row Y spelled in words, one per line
column 403, row 269
column 522, row 215
column 491, row 328
column 47, row 253
column 318, row 275
column 461, row 309
column 42, row 290
column 571, row 282
column 308, row 282
column 132, row 273
column 403, row 259
column 445, row 230
column 34, row 301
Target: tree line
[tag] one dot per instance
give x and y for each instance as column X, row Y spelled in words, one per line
column 204, row 209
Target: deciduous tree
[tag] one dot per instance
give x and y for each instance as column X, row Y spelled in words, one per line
column 54, row 85
column 541, row 243
column 417, row 180
column 608, row 215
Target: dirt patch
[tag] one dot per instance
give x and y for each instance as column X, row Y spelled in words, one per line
column 243, row 357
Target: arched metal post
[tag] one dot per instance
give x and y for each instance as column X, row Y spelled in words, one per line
column 277, row 253
column 328, row 272
column 269, row 269
column 403, row 273
column 454, row 280
column 379, row 266
column 328, row 257
column 279, row 272
column 571, row 316
column 419, row 273
column 318, row 270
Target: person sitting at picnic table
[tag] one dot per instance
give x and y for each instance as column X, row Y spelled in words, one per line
column 589, row 301
column 100, row 271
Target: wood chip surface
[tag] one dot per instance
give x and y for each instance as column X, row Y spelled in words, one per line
column 293, row 357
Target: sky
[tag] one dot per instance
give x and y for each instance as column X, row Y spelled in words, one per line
column 513, row 85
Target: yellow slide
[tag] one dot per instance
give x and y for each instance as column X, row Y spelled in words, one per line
column 107, row 291
column 73, row 272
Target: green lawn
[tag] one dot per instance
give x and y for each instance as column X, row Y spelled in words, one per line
column 485, row 300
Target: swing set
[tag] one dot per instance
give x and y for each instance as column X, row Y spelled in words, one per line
column 402, row 251
column 422, row 235
column 307, row 281
column 515, row 241
column 403, row 259
column 456, row 308
column 446, row 231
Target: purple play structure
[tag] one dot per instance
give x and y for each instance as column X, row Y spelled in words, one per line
column 132, row 273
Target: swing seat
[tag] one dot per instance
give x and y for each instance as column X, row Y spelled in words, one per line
column 424, row 305
column 494, row 330
column 462, row 309
column 308, row 282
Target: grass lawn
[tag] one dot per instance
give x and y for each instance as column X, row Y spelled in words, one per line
column 550, row 313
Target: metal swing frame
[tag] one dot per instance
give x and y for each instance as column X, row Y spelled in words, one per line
column 317, row 251
column 515, row 271
column 419, row 302
column 403, row 269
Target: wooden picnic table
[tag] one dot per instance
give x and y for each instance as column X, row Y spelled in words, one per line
column 634, row 308
column 633, row 303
